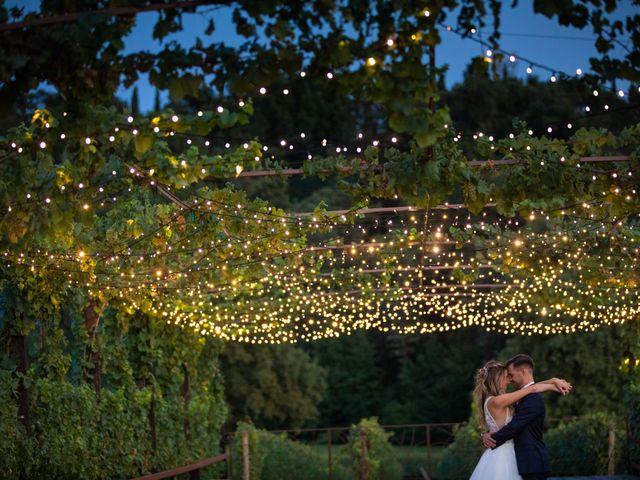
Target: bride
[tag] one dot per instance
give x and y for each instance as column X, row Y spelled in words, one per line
column 495, row 411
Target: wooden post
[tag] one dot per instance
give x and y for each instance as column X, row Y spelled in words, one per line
column 429, row 466
column 185, row 391
column 364, row 464
column 152, row 424
column 91, row 322
column 19, row 351
column 245, row 456
column 329, row 448
column 612, row 451
column 228, row 449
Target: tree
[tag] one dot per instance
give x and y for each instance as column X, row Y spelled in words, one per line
column 275, row 386
column 434, row 385
column 354, row 388
column 502, row 99
column 590, row 361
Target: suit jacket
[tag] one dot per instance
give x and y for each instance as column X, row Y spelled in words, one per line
column 526, row 431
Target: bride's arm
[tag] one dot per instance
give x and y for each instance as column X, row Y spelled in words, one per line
column 506, row 399
column 562, row 386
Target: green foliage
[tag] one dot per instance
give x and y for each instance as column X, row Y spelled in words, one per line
column 581, row 447
column 277, row 386
column 576, row 447
column 353, row 376
column 274, row 457
column 430, row 368
column 11, row 432
column 461, row 457
column 497, row 102
column 589, row 360
column 379, row 459
column 633, row 401
column 77, row 431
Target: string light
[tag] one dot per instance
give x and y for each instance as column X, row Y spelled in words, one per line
column 319, row 293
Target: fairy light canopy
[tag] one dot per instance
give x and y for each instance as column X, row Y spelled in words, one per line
column 544, row 242
column 532, row 234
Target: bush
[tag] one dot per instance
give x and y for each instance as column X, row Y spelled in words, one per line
column 577, row 447
column 381, row 461
column 581, row 446
column 634, row 423
column 461, row 457
column 274, row 457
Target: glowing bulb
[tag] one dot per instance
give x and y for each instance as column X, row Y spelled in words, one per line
column 329, row 75
column 174, row 118
column 578, row 71
column 529, row 70
column 512, row 58
column 390, row 42
column 43, row 144
column 130, row 119
column 221, row 109
column 262, row 90
column 371, row 61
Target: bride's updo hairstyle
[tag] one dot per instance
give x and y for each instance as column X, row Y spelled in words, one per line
column 487, row 385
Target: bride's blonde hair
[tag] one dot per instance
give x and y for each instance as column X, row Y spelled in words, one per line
column 487, row 385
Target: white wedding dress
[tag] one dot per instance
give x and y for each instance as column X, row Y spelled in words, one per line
column 499, row 463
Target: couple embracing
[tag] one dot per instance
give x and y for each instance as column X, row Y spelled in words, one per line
column 514, row 420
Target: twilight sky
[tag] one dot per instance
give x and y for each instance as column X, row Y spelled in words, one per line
column 524, row 34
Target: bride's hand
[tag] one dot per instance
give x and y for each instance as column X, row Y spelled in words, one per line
column 487, row 440
column 563, row 386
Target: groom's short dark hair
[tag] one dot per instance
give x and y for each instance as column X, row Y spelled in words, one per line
column 521, row 360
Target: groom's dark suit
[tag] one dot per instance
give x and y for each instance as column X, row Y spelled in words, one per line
column 526, row 431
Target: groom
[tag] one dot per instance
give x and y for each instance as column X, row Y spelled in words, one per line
column 527, row 424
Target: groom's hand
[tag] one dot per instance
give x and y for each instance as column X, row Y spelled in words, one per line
column 488, row 441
